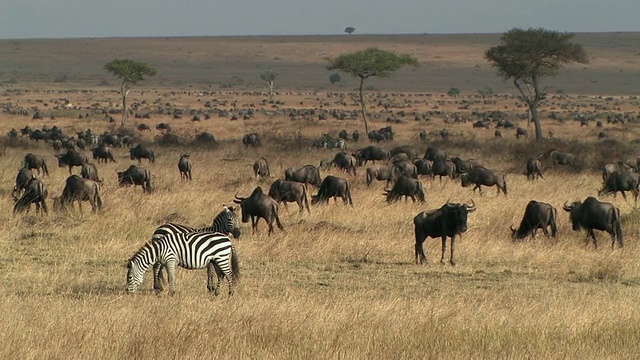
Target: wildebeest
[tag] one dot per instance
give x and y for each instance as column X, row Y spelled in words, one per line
column 355, row 136
column 184, row 166
column 259, row 205
column 619, row 166
column 595, row 215
column 404, row 149
column 559, row 157
column 405, row 186
column 307, row 174
column 343, row 134
column 103, row 153
column 376, row 136
column 142, row 152
column 33, row 161
column 72, row 158
column 24, row 176
column 423, row 135
column 449, row 220
column 371, row 153
column 443, row 168
column 534, row 169
column 333, row 187
column 90, row 171
column 290, row 191
column 522, row 132
column 387, row 173
column 497, row 134
column 537, row 215
column 35, row 192
column 621, row 181
column 434, row 154
column 481, row 176
column 135, row 176
column 345, row 162
column 143, row 127
column 261, row 168
column 79, row 189
column 424, row 166
column 464, row 166
column 252, row 139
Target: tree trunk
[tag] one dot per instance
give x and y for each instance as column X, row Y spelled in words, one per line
column 125, row 92
column 364, row 107
column 270, row 89
column 533, row 109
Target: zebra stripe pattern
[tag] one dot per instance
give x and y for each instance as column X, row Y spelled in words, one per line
column 225, row 222
column 194, row 250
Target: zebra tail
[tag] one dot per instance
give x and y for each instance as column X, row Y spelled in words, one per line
column 235, row 265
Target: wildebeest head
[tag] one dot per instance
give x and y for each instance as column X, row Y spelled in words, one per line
column 246, row 202
column 460, row 212
column 573, row 208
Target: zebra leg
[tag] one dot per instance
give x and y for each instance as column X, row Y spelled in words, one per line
column 171, row 268
column 210, row 271
column 157, row 277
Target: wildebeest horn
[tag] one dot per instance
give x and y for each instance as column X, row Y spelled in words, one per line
column 471, row 207
column 567, row 206
column 512, row 229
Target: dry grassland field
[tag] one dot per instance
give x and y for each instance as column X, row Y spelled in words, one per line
column 340, row 282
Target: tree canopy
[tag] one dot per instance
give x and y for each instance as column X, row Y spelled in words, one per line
column 131, row 72
column 269, row 77
column 527, row 56
column 350, row 30
column 367, row 63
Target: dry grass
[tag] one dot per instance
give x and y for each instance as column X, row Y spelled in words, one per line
column 337, row 283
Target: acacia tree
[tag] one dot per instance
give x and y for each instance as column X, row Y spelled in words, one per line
column 526, row 56
column 131, row 72
column 350, row 30
column 269, row 77
column 367, row 63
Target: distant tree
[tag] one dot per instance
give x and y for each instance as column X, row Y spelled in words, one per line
column 269, row 77
column 131, row 72
column 350, row 30
column 485, row 91
column 367, row 63
column 334, row 78
column 453, row 91
column 526, row 56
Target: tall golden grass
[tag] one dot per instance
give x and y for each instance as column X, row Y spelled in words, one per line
column 340, row 282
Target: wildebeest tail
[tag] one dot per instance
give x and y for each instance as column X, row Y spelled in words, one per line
column 552, row 220
column 147, row 180
column 304, row 195
column 275, row 214
column 504, row 185
column 369, row 177
column 349, row 194
column 97, row 199
column 616, row 220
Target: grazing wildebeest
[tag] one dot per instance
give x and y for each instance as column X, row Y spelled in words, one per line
column 443, row 168
column 33, row 161
column 23, row 177
column 103, row 153
column 90, row 171
column 387, row 173
column 252, row 139
column 261, row 168
column 405, row 186
column 371, row 153
column 72, row 158
column 345, row 162
column 481, row 176
column 424, row 166
column 143, row 127
column 135, row 176
column 593, row 214
column 355, row 136
column 558, row 157
column 163, row 127
column 497, row 134
column 79, row 189
column 290, row 191
column 537, row 215
column 534, row 169
column 376, row 136
column 307, row 174
column 184, row 166
column 619, row 166
column 142, row 152
column 621, row 181
column 387, row 132
column 35, row 192
column 259, row 205
column 434, row 154
column 404, row 149
column 464, row 166
column 449, row 220
column 406, row 168
column 343, row 134
column 423, row 135
column 521, row 132
column 333, row 187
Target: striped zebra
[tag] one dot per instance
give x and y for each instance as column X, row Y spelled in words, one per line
column 194, row 250
column 225, row 222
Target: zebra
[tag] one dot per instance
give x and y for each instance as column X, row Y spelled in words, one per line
column 194, row 250
column 225, row 222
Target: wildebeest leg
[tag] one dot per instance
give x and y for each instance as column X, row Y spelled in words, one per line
column 593, row 236
column 270, row 224
column 444, row 248
column 453, row 239
column 254, row 224
column 420, row 256
column 80, row 205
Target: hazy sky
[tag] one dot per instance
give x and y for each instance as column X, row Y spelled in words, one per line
column 129, row 18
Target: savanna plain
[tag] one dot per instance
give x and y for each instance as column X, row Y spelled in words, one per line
column 341, row 281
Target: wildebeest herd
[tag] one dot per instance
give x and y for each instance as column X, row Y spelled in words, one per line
column 400, row 167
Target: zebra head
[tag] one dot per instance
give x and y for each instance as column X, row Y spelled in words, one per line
column 227, row 222
column 134, row 276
